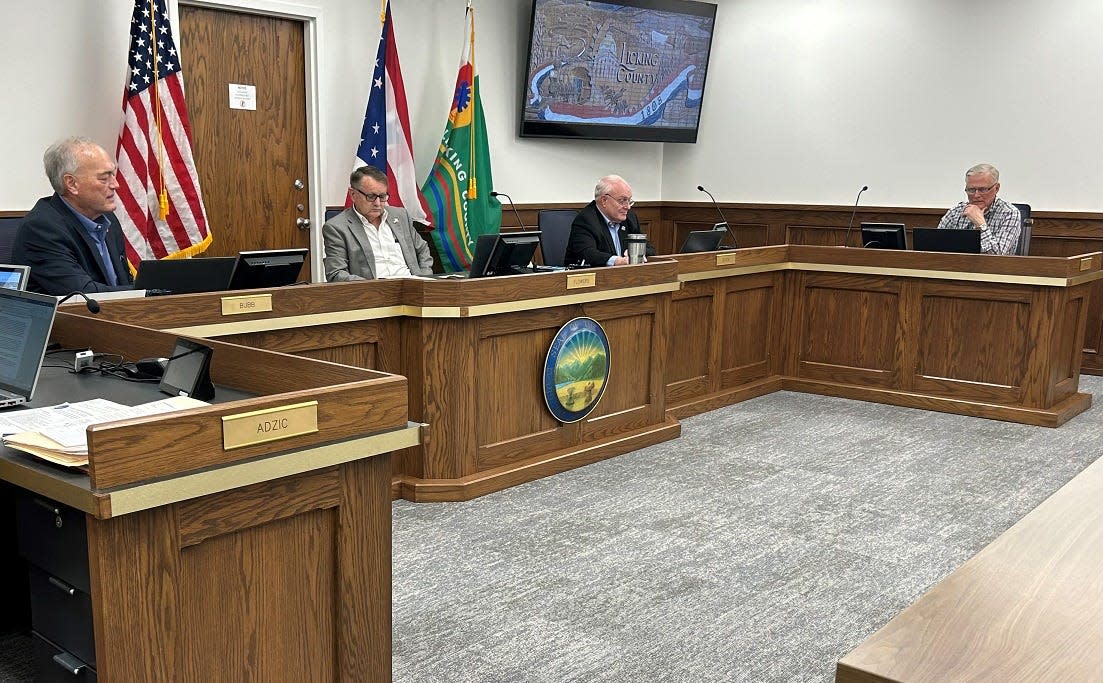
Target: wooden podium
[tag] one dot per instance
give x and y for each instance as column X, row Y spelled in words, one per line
column 265, row 559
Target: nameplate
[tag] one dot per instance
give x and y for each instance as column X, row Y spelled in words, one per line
column 725, row 259
column 581, row 280
column 1085, row 264
column 253, row 303
column 271, row 424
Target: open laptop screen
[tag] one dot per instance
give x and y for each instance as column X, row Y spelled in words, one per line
column 14, row 277
column 26, row 319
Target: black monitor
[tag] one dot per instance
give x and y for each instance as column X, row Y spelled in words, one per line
column 703, row 240
column 186, row 275
column 947, row 239
column 883, row 236
column 506, row 253
column 270, row 268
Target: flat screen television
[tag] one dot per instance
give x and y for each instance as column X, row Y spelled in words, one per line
column 883, row 236
column 506, row 253
column 269, row 268
column 616, row 70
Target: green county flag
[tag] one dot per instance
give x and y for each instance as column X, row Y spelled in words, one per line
column 459, row 185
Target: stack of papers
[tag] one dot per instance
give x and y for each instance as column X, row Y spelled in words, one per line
column 59, row 433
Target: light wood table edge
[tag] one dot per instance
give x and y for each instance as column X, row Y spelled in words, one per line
column 105, row 504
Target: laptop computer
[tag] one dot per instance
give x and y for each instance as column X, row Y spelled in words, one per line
column 186, row 275
column 14, row 277
column 946, row 239
column 26, row 319
column 702, row 240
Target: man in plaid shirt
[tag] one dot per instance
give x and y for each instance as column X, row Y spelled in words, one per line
column 998, row 221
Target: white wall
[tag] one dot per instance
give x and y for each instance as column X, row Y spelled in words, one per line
column 806, row 100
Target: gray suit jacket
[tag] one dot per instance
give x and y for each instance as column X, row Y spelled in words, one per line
column 349, row 255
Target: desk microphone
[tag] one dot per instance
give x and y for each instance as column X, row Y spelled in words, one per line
column 512, row 206
column 851, row 223
column 724, row 220
column 92, row 304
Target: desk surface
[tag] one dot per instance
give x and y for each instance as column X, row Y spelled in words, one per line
column 1027, row 607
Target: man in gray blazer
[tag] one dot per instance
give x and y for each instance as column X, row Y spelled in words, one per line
column 370, row 239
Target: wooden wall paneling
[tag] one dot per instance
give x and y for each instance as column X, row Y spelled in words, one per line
column 848, row 331
column 692, row 345
column 134, row 568
column 364, row 572
column 748, row 328
column 447, row 351
column 262, row 600
column 637, row 342
column 512, row 421
column 955, row 361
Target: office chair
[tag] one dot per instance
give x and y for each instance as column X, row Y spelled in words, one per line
column 1027, row 228
column 555, row 230
column 8, row 227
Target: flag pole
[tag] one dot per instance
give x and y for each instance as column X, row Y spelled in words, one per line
column 163, row 203
column 473, row 188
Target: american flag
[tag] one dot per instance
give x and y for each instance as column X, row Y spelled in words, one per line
column 385, row 138
column 162, row 209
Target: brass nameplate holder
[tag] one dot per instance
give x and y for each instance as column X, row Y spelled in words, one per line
column 1085, row 264
column 253, row 303
column 581, row 280
column 271, row 424
column 725, row 259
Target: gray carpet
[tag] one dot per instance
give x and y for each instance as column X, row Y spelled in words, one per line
column 763, row 545
column 767, row 542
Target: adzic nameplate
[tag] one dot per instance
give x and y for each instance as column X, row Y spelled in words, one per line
column 253, row 303
column 271, row 424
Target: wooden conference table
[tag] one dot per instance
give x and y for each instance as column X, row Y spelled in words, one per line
column 183, row 554
column 989, row 336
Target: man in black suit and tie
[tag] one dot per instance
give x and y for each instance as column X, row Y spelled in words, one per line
column 72, row 240
column 599, row 233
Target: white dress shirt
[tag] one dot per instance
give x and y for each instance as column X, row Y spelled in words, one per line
column 389, row 261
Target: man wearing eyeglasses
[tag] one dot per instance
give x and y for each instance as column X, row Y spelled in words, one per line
column 371, row 240
column 998, row 221
column 599, row 233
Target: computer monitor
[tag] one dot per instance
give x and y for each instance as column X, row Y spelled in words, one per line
column 883, row 236
column 703, row 240
column 269, row 268
column 948, row 239
column 186, row 275
column 508, row 253
column 14, row 277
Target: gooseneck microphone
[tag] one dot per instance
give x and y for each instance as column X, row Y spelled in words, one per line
column 724, row 220
column 512, row 206
column 92, row 304
column 849, row 225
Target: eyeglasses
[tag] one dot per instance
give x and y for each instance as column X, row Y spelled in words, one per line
column 979, row 190
column 623, row 201
column 371, row 197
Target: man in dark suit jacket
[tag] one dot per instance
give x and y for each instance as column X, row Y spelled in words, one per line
column 370, row 239
column 72, row 240
column 599, row 233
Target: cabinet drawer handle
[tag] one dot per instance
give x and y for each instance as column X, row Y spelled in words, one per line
column 70, row 663
column 64, row 587
column 53, row 509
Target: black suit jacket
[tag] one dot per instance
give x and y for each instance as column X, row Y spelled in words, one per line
column 62, row 255
column 590, row 240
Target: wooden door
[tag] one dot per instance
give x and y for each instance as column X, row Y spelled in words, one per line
column 252, row 164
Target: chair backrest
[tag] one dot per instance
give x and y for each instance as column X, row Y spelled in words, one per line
column 1027, row 228
column 555, row 230
column 8, row 226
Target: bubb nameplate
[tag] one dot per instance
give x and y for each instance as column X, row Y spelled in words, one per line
column 253, row 303
column 581, row 280
column 271, row 424
column 725, row 259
